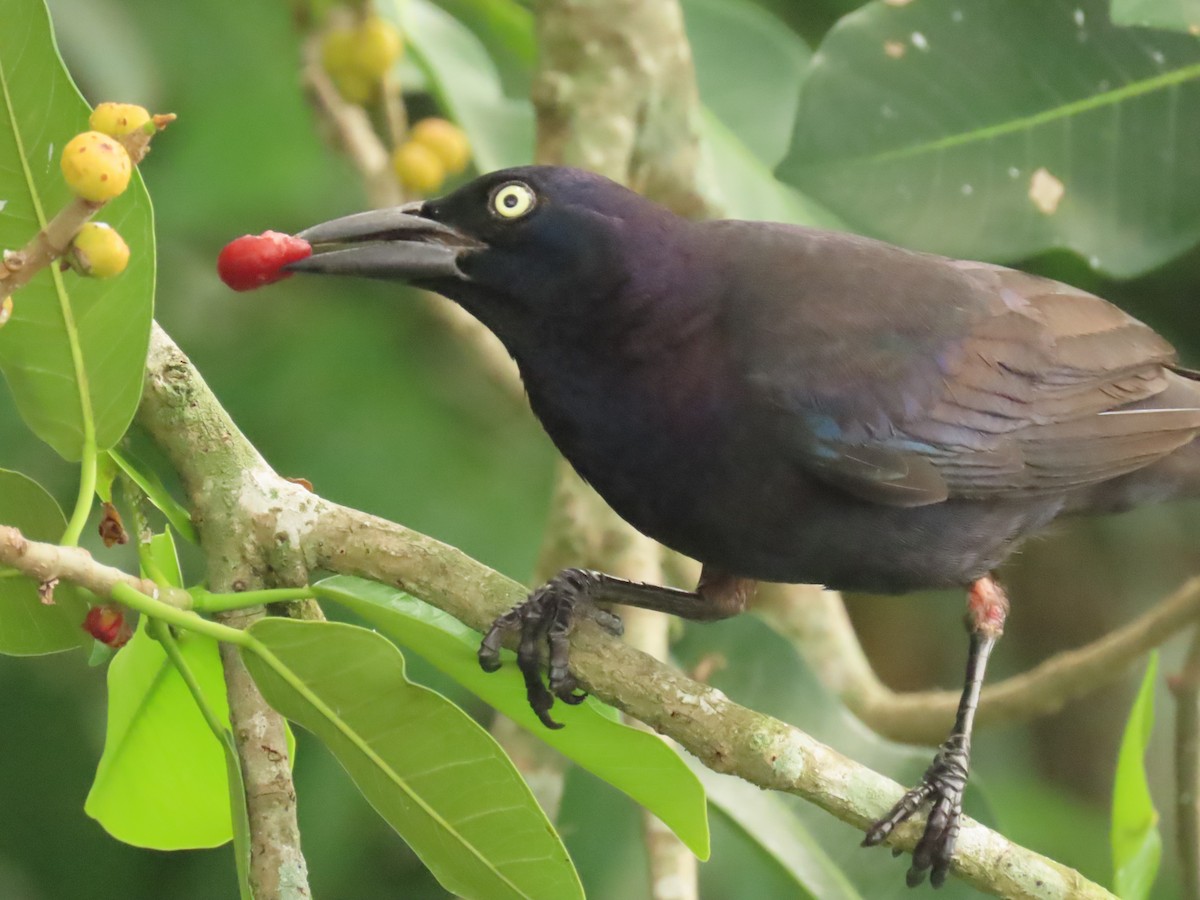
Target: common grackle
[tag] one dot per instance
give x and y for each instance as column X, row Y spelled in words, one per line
column 789, row 404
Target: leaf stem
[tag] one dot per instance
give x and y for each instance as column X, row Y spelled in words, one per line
column 156, row 609
column 205, row 601
column 161, row 632
column 157, row 494
column 87, row 482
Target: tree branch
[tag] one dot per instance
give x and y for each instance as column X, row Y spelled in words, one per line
column 49, row 562
column 233, row 497
column 816, row 623
column 180, row 413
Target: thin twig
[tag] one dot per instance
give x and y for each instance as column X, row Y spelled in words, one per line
column 48, row 562
column 817, row 624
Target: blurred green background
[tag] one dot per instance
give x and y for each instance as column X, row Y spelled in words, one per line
column 357, row 388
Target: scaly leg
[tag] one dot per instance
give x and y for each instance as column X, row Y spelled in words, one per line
column 549, row 614
column 946, row 779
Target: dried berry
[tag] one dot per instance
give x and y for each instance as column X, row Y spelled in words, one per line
column 446, row 140
column 254, row 260
column 99, row 251
column 418, row 168
column 95, row 166
column 119, row 119
column 112, row 529
column 106, row 623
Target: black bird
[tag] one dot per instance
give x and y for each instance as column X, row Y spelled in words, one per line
column 789, row 404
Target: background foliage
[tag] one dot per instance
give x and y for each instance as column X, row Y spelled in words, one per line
column 356, row 388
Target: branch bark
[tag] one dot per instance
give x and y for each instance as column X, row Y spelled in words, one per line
column 233, row 494
column 180, row 413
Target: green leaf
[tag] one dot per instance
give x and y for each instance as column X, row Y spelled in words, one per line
column 239, row 814
column 465, row 83
column 29, row 627
column 505, row 28
column 744, row 188
column 162, row 781
column 766, row 819
column 1136, row 842
column 161, row 554
column 748, row 69
column 74, row 350
column 433, row 774
column 1178, row 15
column 156, row 492
column 631, row 760
column 950, row 126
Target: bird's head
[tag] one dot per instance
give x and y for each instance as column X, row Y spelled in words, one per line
column 520, row 248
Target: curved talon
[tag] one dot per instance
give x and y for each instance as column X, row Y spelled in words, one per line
column 547, row 616
column 944, row 781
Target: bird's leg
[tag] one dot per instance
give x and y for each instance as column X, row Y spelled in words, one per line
column 945, row 780
column 550, row 611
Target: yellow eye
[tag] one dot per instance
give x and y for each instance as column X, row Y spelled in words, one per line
column 513, row 200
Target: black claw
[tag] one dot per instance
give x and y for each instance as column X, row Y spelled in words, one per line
column 944, row 782
column 547, row 617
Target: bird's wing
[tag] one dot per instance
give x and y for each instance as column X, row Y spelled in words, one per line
column 905, row 379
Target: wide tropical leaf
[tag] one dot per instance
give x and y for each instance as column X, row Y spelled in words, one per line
column 1179, row 15
column 433, row 774
column 75, row 347
column 1000, row 130
column 631, row 760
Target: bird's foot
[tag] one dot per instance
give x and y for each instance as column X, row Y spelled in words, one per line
column 943, row 783
column 548, row 615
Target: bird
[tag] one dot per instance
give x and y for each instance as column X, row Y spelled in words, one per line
column 790, row 404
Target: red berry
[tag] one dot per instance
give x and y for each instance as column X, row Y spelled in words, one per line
column 254, row 260
column 107, row 624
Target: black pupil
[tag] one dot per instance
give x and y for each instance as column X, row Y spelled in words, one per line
column 510, row 200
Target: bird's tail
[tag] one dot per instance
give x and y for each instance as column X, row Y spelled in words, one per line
column 1175, row 476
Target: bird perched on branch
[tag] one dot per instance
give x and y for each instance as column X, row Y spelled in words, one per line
column 788, row 404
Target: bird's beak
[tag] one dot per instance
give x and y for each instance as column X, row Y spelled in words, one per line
column 396, row 244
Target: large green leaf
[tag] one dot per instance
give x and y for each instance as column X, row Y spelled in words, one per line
column 433, row 774
column 633, row 761
column 161, row 782
column 952, row 127
column 748, row 68
column 1136, row 842
column 28, row 626
column 744, row 188
column 505, row 28
column 74, row 350
column 467, row 85
column 1179, row 15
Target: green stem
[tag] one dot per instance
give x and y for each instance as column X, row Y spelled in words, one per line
column 87, row 489
column 156, row 609
column 209, row 602
column 161, row 632
column 157, row 494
